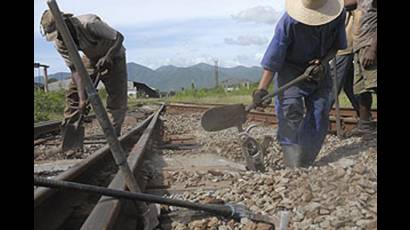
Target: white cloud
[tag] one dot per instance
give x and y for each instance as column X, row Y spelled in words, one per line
column 247, row 40
column 160, row 32
column 132, row 12
column 258, row 14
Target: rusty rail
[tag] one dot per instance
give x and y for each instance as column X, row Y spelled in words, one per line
column 46, row 127
column 195, row 107
column 112, row 213
column 53, row 208
column 348, row 115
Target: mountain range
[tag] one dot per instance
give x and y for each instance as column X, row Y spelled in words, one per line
column 167, row 78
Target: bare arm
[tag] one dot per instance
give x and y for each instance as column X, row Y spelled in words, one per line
column 266, row 79
column 80, row 87
column 371, row 53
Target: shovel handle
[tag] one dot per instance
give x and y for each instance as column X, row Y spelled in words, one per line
column 300, row 78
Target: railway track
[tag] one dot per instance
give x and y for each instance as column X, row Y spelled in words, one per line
column 49, row 127
column 348, row 115
column 72, row 210
column 148, row 148
column 344, row 111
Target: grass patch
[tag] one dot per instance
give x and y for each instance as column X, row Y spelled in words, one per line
column 241, row 95
column 50, row 105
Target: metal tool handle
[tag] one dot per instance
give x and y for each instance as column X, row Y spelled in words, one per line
column 102, row 116
column 234, row 211
column 284, row 220
column 336, row 94
column 223, row 210
column 300, row 78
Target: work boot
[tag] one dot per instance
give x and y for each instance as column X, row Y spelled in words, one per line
column 293, row 156
column 364, row 128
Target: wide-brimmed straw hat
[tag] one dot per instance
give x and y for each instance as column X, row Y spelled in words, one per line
column 314, row 12
column 48, row 25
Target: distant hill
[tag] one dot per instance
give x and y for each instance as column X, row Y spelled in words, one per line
column 167, row 78
column 170, row 77
column 58, row 76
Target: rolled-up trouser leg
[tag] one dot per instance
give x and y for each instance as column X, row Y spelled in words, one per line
column 116, row 85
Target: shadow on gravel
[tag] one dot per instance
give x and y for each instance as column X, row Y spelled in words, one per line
column 346, row 151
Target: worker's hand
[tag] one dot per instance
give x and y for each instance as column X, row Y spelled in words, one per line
column 104, row 63
column 82, row 107
column 318, row 71
column 257, row 97
column 369, row 57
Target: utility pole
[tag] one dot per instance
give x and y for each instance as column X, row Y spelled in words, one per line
column 216, row 74
column 45, row 67
column 193, row 85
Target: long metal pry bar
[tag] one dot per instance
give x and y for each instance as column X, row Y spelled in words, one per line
column 102, row 116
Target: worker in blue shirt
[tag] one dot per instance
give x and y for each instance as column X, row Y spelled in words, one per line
column 310, row 32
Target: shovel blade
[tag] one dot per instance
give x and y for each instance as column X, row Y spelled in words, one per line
column 73, row 137
column 223, row 117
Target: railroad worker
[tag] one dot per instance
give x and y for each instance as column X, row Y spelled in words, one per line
column 344, row 60
column 103, row 52
column 309, row 33
column 365, row 61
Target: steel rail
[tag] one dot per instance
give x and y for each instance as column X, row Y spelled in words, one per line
column 52, row 208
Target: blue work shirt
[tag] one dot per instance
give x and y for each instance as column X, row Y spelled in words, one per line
column 297, row 43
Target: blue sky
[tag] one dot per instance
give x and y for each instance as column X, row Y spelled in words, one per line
column 178, row 32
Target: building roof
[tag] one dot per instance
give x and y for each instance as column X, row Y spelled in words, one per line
column 146, row 89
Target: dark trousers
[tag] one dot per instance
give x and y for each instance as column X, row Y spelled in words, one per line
column 115, row 82
column 345, row 74
column 303, row 111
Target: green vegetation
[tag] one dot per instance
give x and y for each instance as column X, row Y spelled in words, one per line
column 239, row 94
column 242, row 95
column 48, row 106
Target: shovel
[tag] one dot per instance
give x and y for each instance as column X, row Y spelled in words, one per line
column 227, row 116
column 73, row 132
column 233, row 211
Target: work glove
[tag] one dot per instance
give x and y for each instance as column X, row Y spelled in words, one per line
column 318, row 71
column 257, row 96
column 104, row 63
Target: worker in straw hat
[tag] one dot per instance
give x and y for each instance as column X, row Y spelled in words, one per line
column 103, row 53
column 309, row 33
